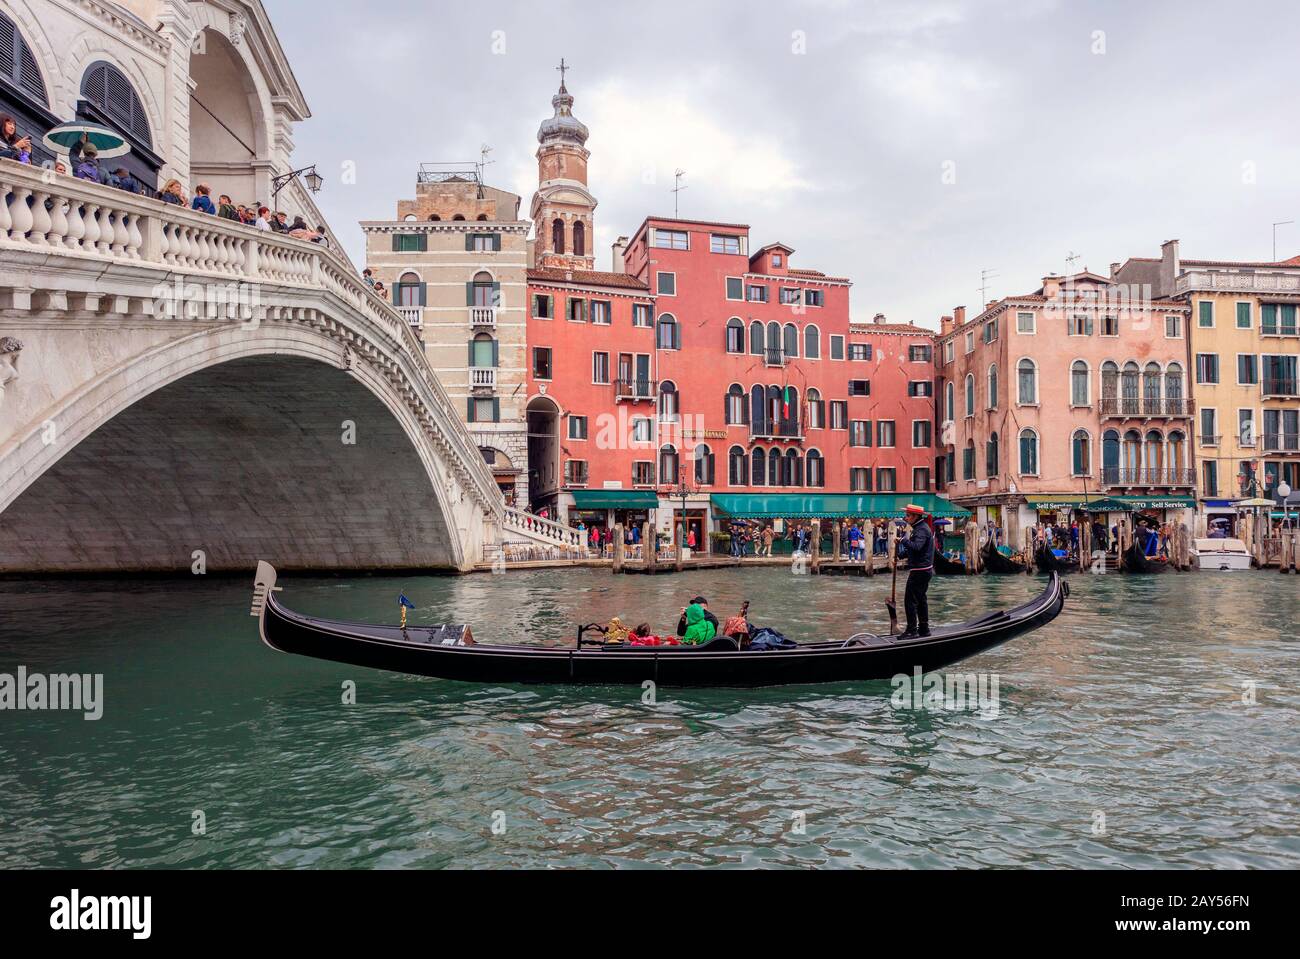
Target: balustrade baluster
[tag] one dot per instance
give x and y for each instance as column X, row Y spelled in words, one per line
column 21, row 215
column 41, row 222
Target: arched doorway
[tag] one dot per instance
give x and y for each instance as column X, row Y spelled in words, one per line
column 229, row 142
column 543, row 453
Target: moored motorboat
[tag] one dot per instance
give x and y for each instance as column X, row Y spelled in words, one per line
column 993, row 560
column 1225, row 555
column 452, row 652
column 1133, row 560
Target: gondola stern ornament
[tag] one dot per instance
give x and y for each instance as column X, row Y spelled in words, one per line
column 263, row 586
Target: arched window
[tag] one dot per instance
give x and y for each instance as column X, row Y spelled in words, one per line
column 409, row 218
column 668, row 464
column 816, row 470
column 107, row 87
column 759, row 470
column 668, row 334
column 735, row 335
column 483, row 351
column 1129, row 389
column 1174, row 389
column 991, row 456
column 579, row 239
column 481, row 216
column 736, row 405
column 774, row 460
column 409, row 291
column 669, row 401
column 1081, row 454
column 1110, row 456
column 1079, row 391
column 459, row 216
column 484, row 289
column 756, row 338
column 773, row 339
column 1131, row 454
column 775, row 416
column 759, row 424
column 1028, row 453
column 1151, row 378
column 812, row 343
column 970, row 394
column 703, row 465
column 1109, row 388
column 1153, row 457
column 1027, row 381
column 791, row 468
column 557, row 235
column 993, row 386
column 434, row 218
column 790, row 341
column 950, row 400
column 18, row 63
column 816, row 410
column 1177, row 456
column 737, row 467
column 968, row 461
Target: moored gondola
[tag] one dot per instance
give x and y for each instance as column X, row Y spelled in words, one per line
column 452, row 652
column 948, row 566
column 1048, row 562
column 993, row 561
column 1133, row 560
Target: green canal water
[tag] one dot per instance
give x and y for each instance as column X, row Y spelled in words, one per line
column 1122, row 739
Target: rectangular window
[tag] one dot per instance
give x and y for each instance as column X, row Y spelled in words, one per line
column 483, row 410
column 921, row 430
column 1110, row 326
column 1173, row 327
column 789, row 296
column 667, row 284
column 643, row 473
column 756, row 294
column 1246, row 427
column 1209, row 427
column 1268, row 319
column 885, row 437
column 886, row 480
column 1210, row 472
column 1244, row 319
column 600, row 312
column 1288, row 319
column 410, row 242
column 1247, row 369
column 1205, row 314
column 1080, row 325
column 672, row 240
column 837, row 347
column 990, row 331
column 918, row 388
column 859, row 351
column 575, row 472
column 860, row 433
column 642, row 429
column 839, row 414
column 543, row 306
column 776, row 259
column 949, row 352
column 1207, row 368
column 577, row 427
column 541, row 362
column 641, row 315
column 719, row 243
column 735, row 288
column 968, row 463
column 920, row 354
column 600, row 368
column 576, row 310
column 859, row 387
column 812, row 298
column 859, row 480
column 484, row 242
column 1025, row 323
column 920, row 480
column 970, row 342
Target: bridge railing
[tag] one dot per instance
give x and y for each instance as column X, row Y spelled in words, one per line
column 55, row 214
column 538, row 528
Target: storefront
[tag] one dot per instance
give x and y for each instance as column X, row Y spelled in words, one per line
column 610, row 507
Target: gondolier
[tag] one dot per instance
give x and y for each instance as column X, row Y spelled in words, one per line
column 918, row 548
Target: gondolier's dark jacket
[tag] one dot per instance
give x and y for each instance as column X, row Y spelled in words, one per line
column 918, row 549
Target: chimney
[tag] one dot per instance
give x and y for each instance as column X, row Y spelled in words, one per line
column 990, row 304
column 945, row 324
column 878, row 319
column 958, row 315
column 1051, row 286
column 1114, row 270
column 620, row 251
column 1170, row 267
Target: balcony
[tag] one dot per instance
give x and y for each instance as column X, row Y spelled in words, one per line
column 1281, row 442
column 1147, row 477
column 1285, row 388
column 1131, row 407
column 483, row 377
column 1278, row 329
column 792, row 432
column 635, row 390
column 1262, row 282
column 483, row 317
column 1208, row 439
column 413, row 315
column 774, row 356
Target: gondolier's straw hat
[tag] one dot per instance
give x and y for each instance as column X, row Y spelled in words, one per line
column 911, row 508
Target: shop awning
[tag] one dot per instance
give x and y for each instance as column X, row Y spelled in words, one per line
column 1130, row 504
column 1054, row 501
column 829, row 505
column 615, row 499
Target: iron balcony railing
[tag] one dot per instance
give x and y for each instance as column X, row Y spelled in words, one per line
column 1279, row 329
column 1137, row 406
column 1210, row 439
column 635, row 390
column 1284, row 386
column 1282, row 442
column 1147, row 476
column 774, row 356
column 777, row 431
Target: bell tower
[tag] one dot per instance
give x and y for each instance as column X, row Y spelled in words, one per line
column 563, row 211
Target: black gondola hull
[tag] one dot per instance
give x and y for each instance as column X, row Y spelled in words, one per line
column 948, row 567
column 994, row 562
column 416, row 651
column 1048, row 562
column 1135, row 561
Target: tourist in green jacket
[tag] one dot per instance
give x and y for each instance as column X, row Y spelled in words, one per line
column 698, row 629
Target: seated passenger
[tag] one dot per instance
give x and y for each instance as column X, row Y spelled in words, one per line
column 698, row 629
column 704, row 605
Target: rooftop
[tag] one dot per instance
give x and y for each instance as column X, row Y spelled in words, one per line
column 588, row 278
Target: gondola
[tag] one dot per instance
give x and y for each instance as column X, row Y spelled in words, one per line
column 1049, row 562
column 947, row 566
column 1134, row 560
column 993, row 561
column 451, row 652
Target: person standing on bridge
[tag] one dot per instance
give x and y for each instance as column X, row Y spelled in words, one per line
column 918, row 549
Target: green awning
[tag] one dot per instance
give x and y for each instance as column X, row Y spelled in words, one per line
column 615, row 499
column 830, row 505
column 1129, row 504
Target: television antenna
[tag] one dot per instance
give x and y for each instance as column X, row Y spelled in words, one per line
column 677, row 190
column 483, row 161
column 985, row 276
column 1072, row 259
column 1275, row 226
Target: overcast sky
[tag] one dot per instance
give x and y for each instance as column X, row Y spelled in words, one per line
column 907, row 145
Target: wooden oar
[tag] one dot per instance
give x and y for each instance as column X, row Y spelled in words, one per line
column 892, row 603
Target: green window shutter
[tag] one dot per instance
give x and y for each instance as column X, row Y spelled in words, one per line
column 496, row 294
column 469, row 409
column 496, row 242
column 469, row 242
column 496, row 410
column 424, row 294
column 1087, row 325
column 469, row 294
column 496, row 353
column 471, row 352
column 397, row 242
column 422, row 242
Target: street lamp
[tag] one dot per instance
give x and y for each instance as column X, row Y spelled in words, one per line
column 313, row 180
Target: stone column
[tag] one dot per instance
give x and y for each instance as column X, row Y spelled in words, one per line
column 618, row 548
column 649, row 546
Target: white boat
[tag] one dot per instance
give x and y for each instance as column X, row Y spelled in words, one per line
column 1220, row 555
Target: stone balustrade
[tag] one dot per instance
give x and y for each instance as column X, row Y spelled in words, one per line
column 517, row 520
